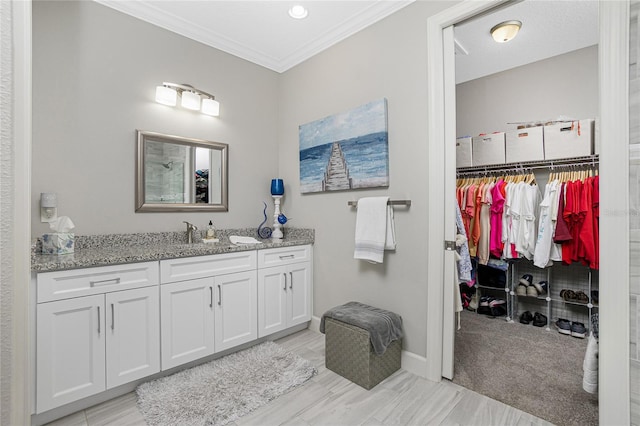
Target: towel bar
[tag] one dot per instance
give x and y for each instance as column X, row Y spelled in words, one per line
column 390, row 202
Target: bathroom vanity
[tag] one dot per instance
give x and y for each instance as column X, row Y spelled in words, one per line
column 110, row 317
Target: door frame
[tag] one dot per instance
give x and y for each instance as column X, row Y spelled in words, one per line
column 614, row 399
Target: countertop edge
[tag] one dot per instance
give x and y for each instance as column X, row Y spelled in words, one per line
column 95, row 257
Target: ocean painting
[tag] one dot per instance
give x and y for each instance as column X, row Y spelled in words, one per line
column 345, row 151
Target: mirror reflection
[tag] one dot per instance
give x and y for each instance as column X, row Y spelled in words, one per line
column 180, row 174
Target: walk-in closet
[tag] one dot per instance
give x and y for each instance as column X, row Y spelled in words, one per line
column 527, row 194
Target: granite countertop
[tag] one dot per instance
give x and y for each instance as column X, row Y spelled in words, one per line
column 113, row 249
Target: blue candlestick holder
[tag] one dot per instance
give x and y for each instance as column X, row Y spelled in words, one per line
column 277, row 187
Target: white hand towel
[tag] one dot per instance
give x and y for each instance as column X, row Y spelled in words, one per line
column 375, row 229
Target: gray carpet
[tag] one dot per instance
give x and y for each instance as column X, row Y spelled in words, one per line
column 223, row 390
column 531, row 369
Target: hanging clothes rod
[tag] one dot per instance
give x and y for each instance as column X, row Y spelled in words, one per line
column 389, row 203
column 587, row 161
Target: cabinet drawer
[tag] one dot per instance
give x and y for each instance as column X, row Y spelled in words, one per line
column 174, row 270
column 283, row 256
column 83, row 282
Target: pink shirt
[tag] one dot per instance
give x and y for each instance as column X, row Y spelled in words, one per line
column 497, row 206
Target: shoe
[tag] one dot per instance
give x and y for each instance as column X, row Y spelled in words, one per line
column 578, row 330
column 539, row 320
column 542, row 287
column 564, row 326
column 581, row 297
column 526, row 317
column 497, row 302
column 498, row 307
column 484, row 300
column 531, row 291
column 521, row 290
column 595, row 296
column 568, row 295
column 526, row 280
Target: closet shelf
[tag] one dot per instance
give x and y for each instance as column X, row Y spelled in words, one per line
column 589, row 160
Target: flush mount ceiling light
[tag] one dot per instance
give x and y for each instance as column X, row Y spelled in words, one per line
column 298, row 12
column 192, row 98
column 505, row 31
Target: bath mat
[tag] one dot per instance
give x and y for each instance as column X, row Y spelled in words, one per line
column 223, row 390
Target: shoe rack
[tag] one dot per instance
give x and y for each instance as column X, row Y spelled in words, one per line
column 540, row 302
column 575, row 278
column 497, row 292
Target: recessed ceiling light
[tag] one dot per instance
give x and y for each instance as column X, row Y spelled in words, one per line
column 298, row 12
column 505, row 31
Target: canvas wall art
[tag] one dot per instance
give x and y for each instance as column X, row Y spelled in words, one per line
column 346, row 151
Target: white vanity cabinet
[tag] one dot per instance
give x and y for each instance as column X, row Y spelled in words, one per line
column 186, row 318
column 100, row 330
column 92, row 334
column 208, row 303
column 284, row 288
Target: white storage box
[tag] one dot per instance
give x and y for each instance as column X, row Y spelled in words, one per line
column 488, row 149
column 568, row 139
column 525, row 145
column 463, row 152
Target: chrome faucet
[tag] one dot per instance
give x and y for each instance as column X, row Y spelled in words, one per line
column 191, row 228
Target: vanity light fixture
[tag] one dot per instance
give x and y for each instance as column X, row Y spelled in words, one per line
column 191, row 98
column 298, row 12
column 505, row 31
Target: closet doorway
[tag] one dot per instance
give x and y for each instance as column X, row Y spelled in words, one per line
column 613, row 113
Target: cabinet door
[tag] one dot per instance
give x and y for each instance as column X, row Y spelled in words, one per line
column 186, row 320
column 70, row 350
column 299, row 294
column 133, row 335
column 272, row 300
column 236, row 306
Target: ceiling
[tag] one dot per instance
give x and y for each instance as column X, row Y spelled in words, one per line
column 262, row 31
column 549, row 28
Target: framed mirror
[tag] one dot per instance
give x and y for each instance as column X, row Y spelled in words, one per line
column 177, row 174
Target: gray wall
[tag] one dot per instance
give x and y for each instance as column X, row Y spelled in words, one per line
column 385, row 60
column 564, row 85
column 94, row 76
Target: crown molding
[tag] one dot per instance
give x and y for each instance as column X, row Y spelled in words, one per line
column 153, row 15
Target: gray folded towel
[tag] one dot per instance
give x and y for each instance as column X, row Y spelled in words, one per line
column 383, row 326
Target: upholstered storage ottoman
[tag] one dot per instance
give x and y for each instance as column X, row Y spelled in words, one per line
column 348, row 352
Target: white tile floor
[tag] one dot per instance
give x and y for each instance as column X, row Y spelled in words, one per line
column 329, row 399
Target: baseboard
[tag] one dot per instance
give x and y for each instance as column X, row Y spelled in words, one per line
column 314, row 325
column 410, row 362
column 413, row 363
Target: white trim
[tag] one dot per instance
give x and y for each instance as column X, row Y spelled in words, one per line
column 21, row 350
column 413, row 363
column 614, row 394
column 436, row 191
column 449, row 280
column 314, row 325
column 614, row 318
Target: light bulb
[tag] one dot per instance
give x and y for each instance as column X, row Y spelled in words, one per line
column 166, row 95
column 190, row 100
column 298, row 12
column 505, row 31
column 211, row 107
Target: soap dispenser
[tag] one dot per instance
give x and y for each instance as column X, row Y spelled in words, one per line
column 211, row 232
